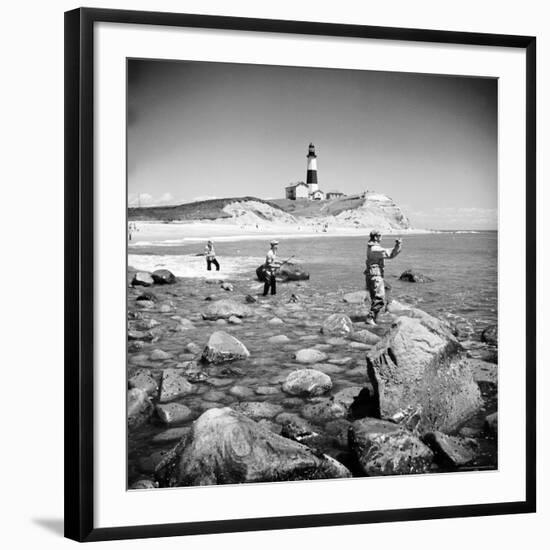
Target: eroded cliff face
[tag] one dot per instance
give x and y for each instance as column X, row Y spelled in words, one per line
column 377, row 211
column 255, row 212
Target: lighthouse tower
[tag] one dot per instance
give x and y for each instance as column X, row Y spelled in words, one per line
column 312, row 169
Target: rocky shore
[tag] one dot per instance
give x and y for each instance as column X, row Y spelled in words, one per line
column 225, row 386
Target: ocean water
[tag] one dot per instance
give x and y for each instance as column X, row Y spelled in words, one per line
column 463, row 266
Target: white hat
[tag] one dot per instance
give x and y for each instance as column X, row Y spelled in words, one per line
column 274, row 242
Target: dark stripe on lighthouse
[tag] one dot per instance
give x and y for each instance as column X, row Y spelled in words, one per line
column 311, row 176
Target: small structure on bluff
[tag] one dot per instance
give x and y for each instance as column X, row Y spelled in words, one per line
column 309, row 190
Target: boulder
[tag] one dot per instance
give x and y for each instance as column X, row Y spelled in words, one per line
column 185, row 324
column 173, row 385
column 356, row 297
column 163, row 277
column 275, row 321
column 384, row 448
column 337, row 324
column 227, row 447
column 224, row 347
column 490, row 335
column 292, row 272
column 233, row 320
column 287, row 272
column 250, row 299
column 227, row 286
column 145, row 304
column 173, row 413
column 142, row 278
column 451, row 450
column 307, row 382
column 223, row 309
column 310, row 355
column 419, row 380
column 193, row 348
column 413, row 276
column 138, row 407
column 241, row 392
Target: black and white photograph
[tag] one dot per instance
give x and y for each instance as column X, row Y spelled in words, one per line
column 312, row 273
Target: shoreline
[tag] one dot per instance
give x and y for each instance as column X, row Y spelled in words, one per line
column 159, row 233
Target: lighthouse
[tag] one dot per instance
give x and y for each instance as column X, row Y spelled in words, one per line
column 311, row 180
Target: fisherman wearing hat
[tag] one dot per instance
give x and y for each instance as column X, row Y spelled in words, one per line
column 210, row 254
column 374, row 274
column 270, row 267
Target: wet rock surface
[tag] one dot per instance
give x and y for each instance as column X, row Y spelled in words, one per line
column 227, row 447
column 413, row 276
column 384, row 448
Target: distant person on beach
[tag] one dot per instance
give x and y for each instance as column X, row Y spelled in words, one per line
column 374, row 273
column 270, row 267
column 210, row 254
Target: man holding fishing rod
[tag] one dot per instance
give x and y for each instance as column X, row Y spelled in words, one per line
column 270, row 268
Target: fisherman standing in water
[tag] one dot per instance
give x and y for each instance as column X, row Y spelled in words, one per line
column 210, row 254
column 270, row 267
column 374, row 274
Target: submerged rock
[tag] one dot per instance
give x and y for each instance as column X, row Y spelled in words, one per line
column 365, row 337
column 324, row 410
column 227, row 286
column 307, row 382
column 384, row 448
column 292, row 272
column 337, row 324
column 278, row 339
column 227, row 447
column 413, row 276
column 223, row 309
column 163, row 277
column 356, row 297
column 224, row 347
column 418, row 379
column 160, row 355
column 309, row 356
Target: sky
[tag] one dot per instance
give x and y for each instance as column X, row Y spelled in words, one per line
column 199, row 130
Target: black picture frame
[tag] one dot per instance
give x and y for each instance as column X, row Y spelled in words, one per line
column 79, row 269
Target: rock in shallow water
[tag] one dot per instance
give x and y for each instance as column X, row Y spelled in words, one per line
column 224, row 347
column 412, row 276
column 174, row 385
column 307, row 382
column 337, row 324
column 278, row 339
column 309, row 356
column 258, row 409
column 227, row 447
column 356, row 297
column 173, row 413
column 138, row 406
column 490, row 335
column 223, row 309
column 163, row 277
column 142, row 278
column 384, row 448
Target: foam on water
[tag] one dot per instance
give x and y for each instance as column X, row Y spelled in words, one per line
column 195, row 266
